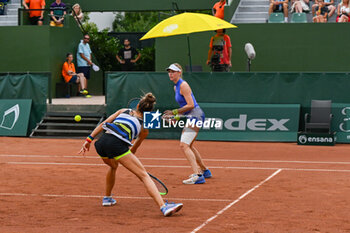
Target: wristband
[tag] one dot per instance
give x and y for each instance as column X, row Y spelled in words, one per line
column 89, row 139
column 175, row 111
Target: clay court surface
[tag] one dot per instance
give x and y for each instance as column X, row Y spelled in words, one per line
column 256, row 187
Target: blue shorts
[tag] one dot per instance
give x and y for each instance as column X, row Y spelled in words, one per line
column 85, row 70
column 197, row 114
column 73, row 79
column 279, row 8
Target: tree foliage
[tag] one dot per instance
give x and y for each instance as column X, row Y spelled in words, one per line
column 136, row 21
column 103, row 46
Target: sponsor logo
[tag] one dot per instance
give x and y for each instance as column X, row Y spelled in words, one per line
column 311, row 139
column 191, row 123
column 302, row 139
column 170, row 28
column 151, row 120
column 10, row 117
column 262, row 124
column 342, row 127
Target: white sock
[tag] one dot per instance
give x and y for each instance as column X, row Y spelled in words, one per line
column 285, row 19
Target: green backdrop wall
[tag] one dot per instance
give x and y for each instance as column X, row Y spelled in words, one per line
column 142, row 5
column 34, row 86
column 258, row 88
column 279, row 47
column 44, row 49
column 244, row 88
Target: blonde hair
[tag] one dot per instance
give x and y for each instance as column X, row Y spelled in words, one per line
column 147, row 102
column 180, row 67
column 77, row 5
column 342, row 3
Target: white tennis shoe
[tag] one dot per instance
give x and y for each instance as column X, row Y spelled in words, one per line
column 194, row 179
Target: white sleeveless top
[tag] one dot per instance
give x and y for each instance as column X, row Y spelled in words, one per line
column 124, row 126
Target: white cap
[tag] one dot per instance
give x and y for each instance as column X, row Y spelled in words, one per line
column 174, row 68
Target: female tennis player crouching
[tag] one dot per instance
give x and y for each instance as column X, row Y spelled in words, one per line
column 113, row 147
column 190, row 108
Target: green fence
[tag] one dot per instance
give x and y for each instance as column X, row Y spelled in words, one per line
column 34, row 86
column 141, row 5
column 243, row 88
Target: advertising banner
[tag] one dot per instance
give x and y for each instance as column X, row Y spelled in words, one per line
column 232, row 122
column 316, row 139
column 341, row 121
column 251, row 122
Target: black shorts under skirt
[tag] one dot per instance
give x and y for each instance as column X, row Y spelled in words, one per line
column 109, row 146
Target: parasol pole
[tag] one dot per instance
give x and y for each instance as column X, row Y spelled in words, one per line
column 189, row 52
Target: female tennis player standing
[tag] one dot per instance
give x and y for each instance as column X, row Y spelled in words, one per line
column 113, row 147
column 190, row 108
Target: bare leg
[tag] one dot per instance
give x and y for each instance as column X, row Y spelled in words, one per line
column 79, row 83
column 271, row 8
column 331, row 10
column 198, row 158
column 313, row 8
column 82, row 80
column 85, row 80
column 110, row 177
column 190, row 155
column 133, row 164
column 285, row 10
column 298, row 8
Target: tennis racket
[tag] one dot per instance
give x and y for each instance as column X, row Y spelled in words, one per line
column 162, row 189
column 133, row 103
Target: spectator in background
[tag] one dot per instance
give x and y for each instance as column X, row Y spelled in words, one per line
column 84, row 57
column 343, row 12
column 220, row 52
column 321, row 13
column 126, row 56
column 57, row 12
column 70, row 76
column 218, row 9
column 77, row 12
column 35, row 17
column 279, row 5
column 329, row 4
column 300, row 5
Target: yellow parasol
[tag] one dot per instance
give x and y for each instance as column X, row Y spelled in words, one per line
column 187, row 23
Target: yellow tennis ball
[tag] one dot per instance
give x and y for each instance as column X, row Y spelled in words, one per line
column 77, row 118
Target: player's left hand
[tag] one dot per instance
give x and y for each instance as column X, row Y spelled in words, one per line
column 168, row 113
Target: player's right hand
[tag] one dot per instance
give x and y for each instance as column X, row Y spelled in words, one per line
column 84, row 148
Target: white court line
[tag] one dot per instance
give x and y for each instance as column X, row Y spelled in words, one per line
column 181, row 159
column 170, row 166
column 118, row 197
column 235, row 201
